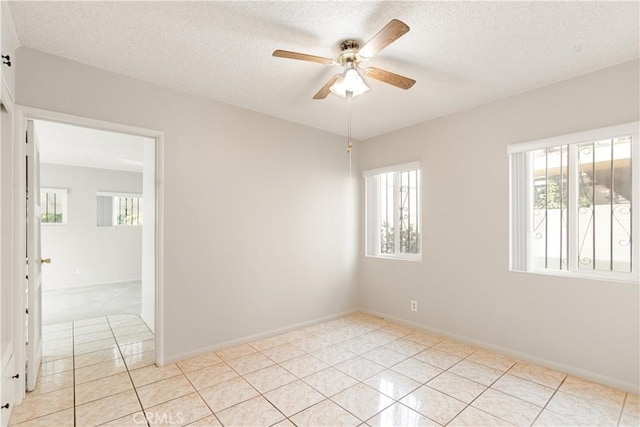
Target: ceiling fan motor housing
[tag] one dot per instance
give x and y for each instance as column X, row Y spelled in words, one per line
column 349, row 44
column 349, row 53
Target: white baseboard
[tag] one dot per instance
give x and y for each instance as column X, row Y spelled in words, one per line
column 251, row 338
column 577, row 372
column 86, row 285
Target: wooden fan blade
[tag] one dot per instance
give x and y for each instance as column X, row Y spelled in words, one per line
column 322, row 93
column 390, row 33
column 390, row 78
column 302, row 57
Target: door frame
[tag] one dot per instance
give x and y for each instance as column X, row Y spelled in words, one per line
column 24, row 113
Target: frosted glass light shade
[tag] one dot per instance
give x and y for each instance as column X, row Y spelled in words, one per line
column 350, row 81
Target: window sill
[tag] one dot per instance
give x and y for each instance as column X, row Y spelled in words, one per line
column 398, row 258
column 619, row 277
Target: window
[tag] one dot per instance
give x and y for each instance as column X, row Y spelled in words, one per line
column 574, row 204
column 127, row 210
column 53, row 206
column 393, row 212
column 119, row 209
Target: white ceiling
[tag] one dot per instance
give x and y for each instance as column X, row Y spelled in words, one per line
column 462, row 54
column 65, row 144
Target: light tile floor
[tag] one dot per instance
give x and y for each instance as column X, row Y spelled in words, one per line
column 346, row 372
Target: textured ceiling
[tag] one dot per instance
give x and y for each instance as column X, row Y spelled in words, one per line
column 462, row 54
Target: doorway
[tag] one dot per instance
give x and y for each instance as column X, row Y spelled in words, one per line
column 130, row 317
column 92, row 221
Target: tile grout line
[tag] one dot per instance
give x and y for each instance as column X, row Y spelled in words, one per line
column 135, row 390
column 261, row 394
column 198, row 391
column 489, row 387
column 447, row 370
column 624, row 402
column 590, row 401
column 73, row 364
column 422, row 384
column 557, row 389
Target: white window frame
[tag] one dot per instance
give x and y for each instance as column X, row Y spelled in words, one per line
column 369, row 198
column 65, row 205
column 114, row 209
column 521, row 204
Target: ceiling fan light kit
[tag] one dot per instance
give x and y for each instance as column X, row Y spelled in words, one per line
column 349, row 81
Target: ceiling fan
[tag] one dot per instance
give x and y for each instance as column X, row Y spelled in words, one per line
column 350, row 81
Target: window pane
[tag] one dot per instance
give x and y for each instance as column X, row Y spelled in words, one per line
column 104, row 206
column 52, row 206
column 550, row 201
column 621, row 211
column 128, row 210
column 387, row 240
column 605, row 188
column 408, row 206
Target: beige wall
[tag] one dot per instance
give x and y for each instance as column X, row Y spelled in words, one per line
column 258, row 212
column 463, row 286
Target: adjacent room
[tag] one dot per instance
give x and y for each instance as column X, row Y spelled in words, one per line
column 92, row 213
column 357, row 213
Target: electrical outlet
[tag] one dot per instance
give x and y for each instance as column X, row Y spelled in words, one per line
column 414, row 306
column 78, row 270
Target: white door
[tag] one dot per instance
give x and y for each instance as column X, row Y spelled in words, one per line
column 7, row 296
column 34, row 260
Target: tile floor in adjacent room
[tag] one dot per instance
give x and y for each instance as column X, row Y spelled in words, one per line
column 346, row 372
column 84, row 302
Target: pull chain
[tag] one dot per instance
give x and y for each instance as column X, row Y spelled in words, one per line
column 349, row 145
